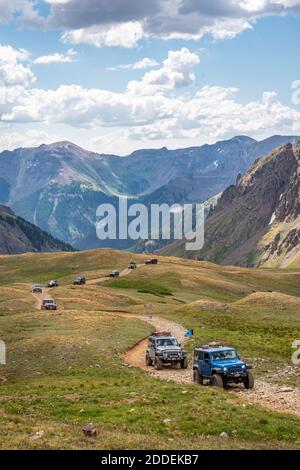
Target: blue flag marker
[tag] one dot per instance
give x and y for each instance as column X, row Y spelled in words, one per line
column 189, row 333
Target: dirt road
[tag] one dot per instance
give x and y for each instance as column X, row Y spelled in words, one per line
column 123, row 273
column 282, row 399
column 47, row 293
column 39, row 297
column 136, row 355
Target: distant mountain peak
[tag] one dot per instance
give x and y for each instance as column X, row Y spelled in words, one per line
column 62, row 145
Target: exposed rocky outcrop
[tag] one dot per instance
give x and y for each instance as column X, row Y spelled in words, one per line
column 257, row 221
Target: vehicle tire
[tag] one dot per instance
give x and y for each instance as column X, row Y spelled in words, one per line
column 249, row 382
column 184, row 363
column 217, row 381
column 198, row 379
column 158, row 363
column 148, row 360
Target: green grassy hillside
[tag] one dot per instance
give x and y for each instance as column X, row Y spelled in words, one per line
column 65, row 369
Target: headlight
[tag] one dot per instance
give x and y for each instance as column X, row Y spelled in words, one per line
column 244, row 367
column 225, row 369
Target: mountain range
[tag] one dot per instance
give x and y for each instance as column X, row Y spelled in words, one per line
column 256, row 222
column 58, row 187
column 19, row 236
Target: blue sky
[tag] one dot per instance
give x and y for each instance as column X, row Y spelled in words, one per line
column 214, row 72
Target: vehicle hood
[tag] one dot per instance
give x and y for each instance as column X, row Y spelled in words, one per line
column 169, row 348
column 231, row 362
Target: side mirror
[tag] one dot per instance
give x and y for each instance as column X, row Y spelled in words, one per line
column 179, row 345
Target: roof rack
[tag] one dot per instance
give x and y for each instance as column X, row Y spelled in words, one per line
column 212, row 345
column 161, row 333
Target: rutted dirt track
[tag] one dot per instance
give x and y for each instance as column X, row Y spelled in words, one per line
column 136, row 355
column 124, row 273
column 273, row 397
column 39, row 297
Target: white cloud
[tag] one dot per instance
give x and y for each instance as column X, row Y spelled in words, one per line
column 22, row 11
column 176, row 72
column 62, row 2
column 118, row 23
column 57, row 58
column 124, row 35
column 146, row 110
column 213, row 111
column 12, row 69
column 82, row 107
column 139, row 65
column 11, row 139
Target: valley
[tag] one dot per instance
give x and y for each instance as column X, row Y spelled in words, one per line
column 58, row 187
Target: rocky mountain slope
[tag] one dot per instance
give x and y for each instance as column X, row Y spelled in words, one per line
column 58, row 187
column 19, row 236
column 257, row 221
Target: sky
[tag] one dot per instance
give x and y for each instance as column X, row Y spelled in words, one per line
column 115, row 76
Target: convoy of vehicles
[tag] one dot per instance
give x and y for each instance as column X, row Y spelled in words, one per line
column 164, row 349
column 213, row 363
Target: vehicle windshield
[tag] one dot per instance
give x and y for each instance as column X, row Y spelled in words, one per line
column 167, row 342
column 224, row 355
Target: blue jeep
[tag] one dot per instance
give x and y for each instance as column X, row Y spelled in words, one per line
column 221, row 366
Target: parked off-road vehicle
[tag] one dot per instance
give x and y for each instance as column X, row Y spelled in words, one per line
column 164, row 349
column 52, row 284
column 132, row 265
column 48, row 304
column 221, row 366
column 114, row 274
column 37, row 289
column 152, row 261
column 79, row 281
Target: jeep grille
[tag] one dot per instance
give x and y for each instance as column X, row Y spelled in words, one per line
column 235, row 369
column 173, row 353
